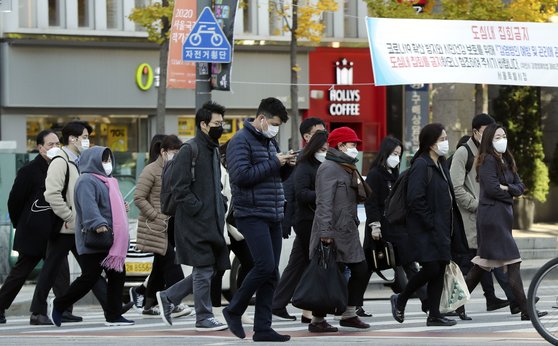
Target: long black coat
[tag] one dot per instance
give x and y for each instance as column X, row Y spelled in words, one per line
column 32, row 228
column 433, row 217
column 495, row 214
column 305, row 189
column 200, row 211
column 380, row 181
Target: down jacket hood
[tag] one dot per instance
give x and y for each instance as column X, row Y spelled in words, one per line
column 91, row 160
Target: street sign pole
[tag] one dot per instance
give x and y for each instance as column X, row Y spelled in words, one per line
column 203, row 86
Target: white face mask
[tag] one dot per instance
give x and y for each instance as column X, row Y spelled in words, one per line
column 52, row 152
column 272, row 130
column 392, row 161
column 107, row 166
column 352, row 152
column 170, row 156
column 320, row 156
column 442, row 148
column 500, row 145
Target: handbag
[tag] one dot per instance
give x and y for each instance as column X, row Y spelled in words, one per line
column 454, row 292
column 98, row 241
column 383, row 255
column 322, row 287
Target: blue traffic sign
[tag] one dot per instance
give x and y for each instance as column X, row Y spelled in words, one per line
column 206, row 42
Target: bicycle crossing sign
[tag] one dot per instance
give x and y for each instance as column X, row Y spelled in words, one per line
column 206, row 42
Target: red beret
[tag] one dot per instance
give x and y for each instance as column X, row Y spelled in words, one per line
column 342, row 135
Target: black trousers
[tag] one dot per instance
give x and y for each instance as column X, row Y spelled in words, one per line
column 21, row 271
column 242, row 252
column 432, row 274
column 298, row 261
column 165, row 271
column 91, row 270
column 57, row 252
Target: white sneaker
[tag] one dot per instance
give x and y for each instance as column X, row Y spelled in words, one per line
column 181, row 310
column 246, row 320
column 210, row 324
column 152, row 312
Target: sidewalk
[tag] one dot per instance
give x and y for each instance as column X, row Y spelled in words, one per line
column 537, row 246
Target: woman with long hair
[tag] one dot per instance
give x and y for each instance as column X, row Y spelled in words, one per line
column 430, row 220
column 499, row 184
column 383, row 173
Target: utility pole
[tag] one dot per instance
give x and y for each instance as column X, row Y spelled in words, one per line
column 203, row 86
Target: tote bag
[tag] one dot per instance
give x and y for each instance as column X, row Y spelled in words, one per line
column 322, row 287
column 454, row 292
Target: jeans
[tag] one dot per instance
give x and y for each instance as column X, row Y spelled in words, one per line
column 264, row 241
column 199, row 284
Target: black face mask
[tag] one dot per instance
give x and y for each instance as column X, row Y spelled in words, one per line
column 215, row 132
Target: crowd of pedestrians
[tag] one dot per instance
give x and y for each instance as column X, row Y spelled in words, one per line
column 245, row 196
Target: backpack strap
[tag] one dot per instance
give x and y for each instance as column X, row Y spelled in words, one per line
column 194, row 148
column 470, row 158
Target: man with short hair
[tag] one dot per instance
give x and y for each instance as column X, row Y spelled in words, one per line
column 256, row 171
column 466, row 188
column 32, row 218
column 298, row 260
column 199, row 219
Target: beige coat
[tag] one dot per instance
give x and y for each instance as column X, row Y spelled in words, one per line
column 54, row 184
column 466, row 188
column 152, row 224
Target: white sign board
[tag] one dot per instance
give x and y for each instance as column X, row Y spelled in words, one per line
column 413, row 51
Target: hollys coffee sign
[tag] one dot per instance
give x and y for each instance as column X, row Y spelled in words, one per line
column 344, row 101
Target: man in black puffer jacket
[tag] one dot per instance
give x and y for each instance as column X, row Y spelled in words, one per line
column 256, row 172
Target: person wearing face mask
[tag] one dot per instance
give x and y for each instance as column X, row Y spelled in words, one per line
column 339, row 189
column 383, row 173
column 256, row 172
column 431, row 219
column 466, row 187
column 99, row 207
column 199, row 220
column 75, row 136
column 499, row 184
column 30, row 215
column 156, row 230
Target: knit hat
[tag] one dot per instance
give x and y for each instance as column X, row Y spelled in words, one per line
column 342, row 135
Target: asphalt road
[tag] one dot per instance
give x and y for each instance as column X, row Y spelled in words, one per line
column 486, row 328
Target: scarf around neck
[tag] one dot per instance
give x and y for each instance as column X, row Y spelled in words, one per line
column 117, row 253
column 348, row 164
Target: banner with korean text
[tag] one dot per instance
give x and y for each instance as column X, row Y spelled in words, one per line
column 181, row 74
column 414, row 51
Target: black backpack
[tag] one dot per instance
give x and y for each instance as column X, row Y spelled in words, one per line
column 168, row 204
column 396, row 202
column 470, row 159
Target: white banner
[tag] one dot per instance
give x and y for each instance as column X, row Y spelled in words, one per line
column 413, row 51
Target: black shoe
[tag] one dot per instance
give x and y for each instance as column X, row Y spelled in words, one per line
column 305, row 320
column 235, row 323
column 283, row 314
column 514, row 309
column 321, row 327
column 126, row 307
column 40, row 320
column 439, row 322
column 270, row 335
column 463, row 316
column 496, row 304
column 398, row 315
column 68, row 317
column 353, row 322
column 361, row 313
column 2, row 317
column 526, row 317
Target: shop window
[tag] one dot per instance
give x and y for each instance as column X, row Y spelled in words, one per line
column 85, row 13
column 351, row 18
column 57, row 13
column 114, row 14
column 27, row 13
column 327, row 21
